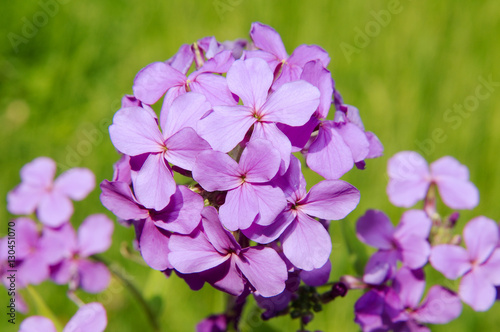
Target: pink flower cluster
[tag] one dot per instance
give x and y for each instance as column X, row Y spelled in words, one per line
column 213, row 185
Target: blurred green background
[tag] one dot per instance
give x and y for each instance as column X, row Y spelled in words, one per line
column 414, row 77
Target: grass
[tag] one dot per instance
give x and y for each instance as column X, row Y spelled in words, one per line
column 67, row 79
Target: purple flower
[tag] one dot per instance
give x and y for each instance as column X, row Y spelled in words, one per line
column 90, row 317
column 273, row 51
column 181, row 215
column 292, row 104
column 249, row 198
column 51, row 199
column 169, row 77
column 212, row 247
column 407, row 242
column 94, row 236
column 478, row 265
column 214, row 323
column 398, row 308
column 135, row 132
column 410, row 179
column 306, row 242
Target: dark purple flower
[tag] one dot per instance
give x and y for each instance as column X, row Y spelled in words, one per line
column 214, row 323
column 51, row 199
column 407, row 242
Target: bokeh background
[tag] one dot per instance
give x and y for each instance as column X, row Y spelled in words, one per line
column 414, row 76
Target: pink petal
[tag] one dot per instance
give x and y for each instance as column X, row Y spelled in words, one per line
column 259, row 161
column 271, row 202
column 299, row 136
column 214, row 88
column 330, row 199
column 452, row 261
column 183, row 148
column 414, row 222
column 94, row 235
column 134, row 131
column 375, row 229
column 154, row 246
column 292, row 104
column 316, row 74
column 306, row 243
column 269, row 233
column 292, row 182
column 226, row 126
column 414, row 251
column 476, row 290
column 76, row 183
column 305, row 53
column 271, row 59
column 54, row 209
column 23, row 199
column 185, row 111
column 90, row 317
column 269, row 131
column 33, row 270
column 264, row 268
column 94, row 276
column 356, row 140
column 440, row 306
column 182, row 214
column 194, row 254
column 183, row 59
column 221, row 239
column 37, row 324
column 376, row 147
column 317, row 277
column 215, row 170
column 381, row 267
column 154, row 183
column 289, row 72
column 409, row 178
column 328, row 155
column 26, row 240
column 410, row 286
column 491, row 268
column 449, row 167
column 154, row 80
column 240, row 209
column 118, row 198
column 39, row 172
column 481, row 238
column 267, row 39
column 458, row 194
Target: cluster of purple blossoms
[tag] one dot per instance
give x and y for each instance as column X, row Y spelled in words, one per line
column 33, row 252
column 392, row 301
column 232, row 117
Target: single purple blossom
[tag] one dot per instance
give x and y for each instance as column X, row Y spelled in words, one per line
column 135, row 132
column 50, row 199
column 90, row 317
column 440, row 306
column 410, row 179
column 94, row 236
column 214, row 247
column 406, row 243
column 306, row 242
column 292, row 104
column 250, row 197
column 478, row 264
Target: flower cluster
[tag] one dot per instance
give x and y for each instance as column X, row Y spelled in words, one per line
column 424, row 237
column 232, row 116
column 52, row 248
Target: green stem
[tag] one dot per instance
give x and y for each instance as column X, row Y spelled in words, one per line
column 42, row 309
column 135, row 293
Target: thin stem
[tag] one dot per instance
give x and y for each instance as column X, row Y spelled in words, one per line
column 42, row 309
column 135, row 293
column 234, row 309
column 73, row 297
